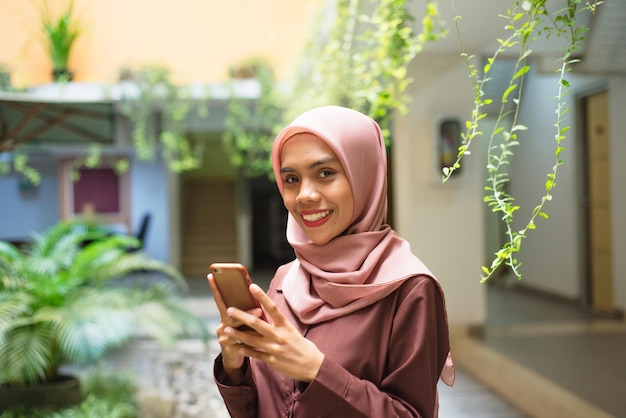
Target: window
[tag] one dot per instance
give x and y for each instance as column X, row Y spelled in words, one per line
column 99, row 192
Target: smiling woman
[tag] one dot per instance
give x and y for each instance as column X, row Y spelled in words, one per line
column 350, row 269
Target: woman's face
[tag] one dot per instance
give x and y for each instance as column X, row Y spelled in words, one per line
column 316, row 190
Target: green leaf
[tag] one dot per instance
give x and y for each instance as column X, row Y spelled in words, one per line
column 507, row 92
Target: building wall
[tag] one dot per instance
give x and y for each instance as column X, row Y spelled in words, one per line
column 149, row 195
column 24, row 212
column 449, row 226
column 443, row 222
column 550, row 254
column 31, row 209
column 198, row 40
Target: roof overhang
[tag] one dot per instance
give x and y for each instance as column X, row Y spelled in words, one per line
column 27, row 119
column 58, row 114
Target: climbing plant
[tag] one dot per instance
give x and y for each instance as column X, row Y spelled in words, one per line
column 357, row 56
column 158, row 109
column 251, row 127
column 525, row 22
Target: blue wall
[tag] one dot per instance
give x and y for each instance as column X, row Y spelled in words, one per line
column 26, row 211
column 149, row 194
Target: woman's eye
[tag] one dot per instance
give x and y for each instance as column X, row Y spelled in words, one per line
column 291, row 180
column 326, row 173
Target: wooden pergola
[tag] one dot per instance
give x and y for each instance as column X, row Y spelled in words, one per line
column 33, row 120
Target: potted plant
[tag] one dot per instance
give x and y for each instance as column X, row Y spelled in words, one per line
column 5, row 77
column 60, row 30
column 158, row 110
column 67, row 298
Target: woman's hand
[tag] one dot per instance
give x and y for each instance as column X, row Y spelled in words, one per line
column 278, row 344
column 232, row 359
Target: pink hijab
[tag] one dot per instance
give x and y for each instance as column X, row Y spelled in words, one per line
column 370, row 260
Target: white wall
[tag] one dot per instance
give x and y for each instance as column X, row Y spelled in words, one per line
column 549, row 254
column 443, row 222
column 553, row 254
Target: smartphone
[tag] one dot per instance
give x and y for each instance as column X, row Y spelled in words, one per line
column 233, row 282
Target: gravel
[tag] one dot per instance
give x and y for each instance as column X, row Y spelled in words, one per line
column 172, row 383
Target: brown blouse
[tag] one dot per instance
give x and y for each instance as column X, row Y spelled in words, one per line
column 382, row 361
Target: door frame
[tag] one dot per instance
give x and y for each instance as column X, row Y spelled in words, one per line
column 585, row 205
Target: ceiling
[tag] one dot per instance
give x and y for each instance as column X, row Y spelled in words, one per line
column 603, row 51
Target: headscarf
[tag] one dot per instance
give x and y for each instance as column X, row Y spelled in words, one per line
column 370, row 260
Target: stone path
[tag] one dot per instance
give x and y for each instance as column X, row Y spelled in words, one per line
column 173, row 383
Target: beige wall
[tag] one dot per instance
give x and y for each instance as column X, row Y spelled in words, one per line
column 443, row 222
column 196, row 39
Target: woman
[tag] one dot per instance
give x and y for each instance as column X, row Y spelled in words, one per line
column 357, row 324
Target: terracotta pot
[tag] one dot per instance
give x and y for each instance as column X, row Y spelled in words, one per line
column 63, row 392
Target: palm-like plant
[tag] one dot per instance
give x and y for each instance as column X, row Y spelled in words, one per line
column 61, row 31
column 61, row 301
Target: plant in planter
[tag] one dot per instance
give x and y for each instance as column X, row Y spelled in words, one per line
column 251, row 127
column 107, row 394
column 5, row 77
column 68, row 298
column 61, row 31
column 157, row 109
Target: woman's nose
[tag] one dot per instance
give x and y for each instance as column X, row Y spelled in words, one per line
column 308, row 192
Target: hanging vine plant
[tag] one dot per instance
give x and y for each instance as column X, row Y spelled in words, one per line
column 526, row 22
column 251, row 127
column 158, row 112
column 360, row 59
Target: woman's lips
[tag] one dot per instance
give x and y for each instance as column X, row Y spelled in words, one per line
column 317, row 218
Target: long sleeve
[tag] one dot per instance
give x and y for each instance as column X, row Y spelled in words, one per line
column 241, row 399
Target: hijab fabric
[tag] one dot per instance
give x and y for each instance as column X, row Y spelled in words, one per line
column 370, row 260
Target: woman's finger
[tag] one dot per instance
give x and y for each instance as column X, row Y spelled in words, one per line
column 221, row 305
column 268, row 305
